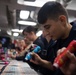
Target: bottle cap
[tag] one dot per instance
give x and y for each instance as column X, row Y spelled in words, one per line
column 26, row 58
column 55, row 65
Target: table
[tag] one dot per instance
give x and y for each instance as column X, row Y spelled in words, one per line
column 19, row 68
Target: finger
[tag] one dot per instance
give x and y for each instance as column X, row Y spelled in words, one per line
column 33, row 61
column 33, row 54
column 71, row 56
column 60, row 51
column 33, row 57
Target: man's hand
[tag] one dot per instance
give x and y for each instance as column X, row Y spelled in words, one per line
column 69, row 67
column 35, row 58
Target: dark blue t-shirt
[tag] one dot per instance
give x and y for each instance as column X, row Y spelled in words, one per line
column 64, row 43
column 53, row 48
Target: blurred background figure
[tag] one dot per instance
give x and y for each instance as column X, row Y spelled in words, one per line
column 2, row 53
column 11, row 44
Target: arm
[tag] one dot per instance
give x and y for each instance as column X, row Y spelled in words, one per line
column 46, row 64
column 37, row 60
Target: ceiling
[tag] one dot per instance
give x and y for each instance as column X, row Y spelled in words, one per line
column 10, row 11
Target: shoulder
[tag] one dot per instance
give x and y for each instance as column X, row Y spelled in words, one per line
column 73, row 26
column 39, row 42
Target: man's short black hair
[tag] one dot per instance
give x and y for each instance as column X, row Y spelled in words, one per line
column 51, row 10
column 29, row 29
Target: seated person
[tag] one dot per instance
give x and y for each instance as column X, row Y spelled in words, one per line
column 54, row 19
column 21, row 50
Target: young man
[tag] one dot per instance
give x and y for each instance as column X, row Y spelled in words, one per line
column 53, row 18
column 30, row 33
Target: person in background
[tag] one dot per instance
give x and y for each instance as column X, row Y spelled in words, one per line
column 30, row 33
column 53, row 17
column 2, row 53
column 28, row 45
column 20, row 49
column 11, row 45
column 22, row 46
column 1, row 48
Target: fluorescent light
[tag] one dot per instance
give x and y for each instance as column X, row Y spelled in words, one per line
column 20, row 1
column 37, row 3
column 9, row 32
column 21, row 31
column 24, row 14
column 15, row 34
column 16, row 30
column 27, row 23
column 32, row 14
column 39, row 33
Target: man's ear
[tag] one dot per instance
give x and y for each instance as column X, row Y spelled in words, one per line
column 62, row 18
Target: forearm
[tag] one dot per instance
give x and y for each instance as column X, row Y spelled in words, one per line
column 46, row 64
